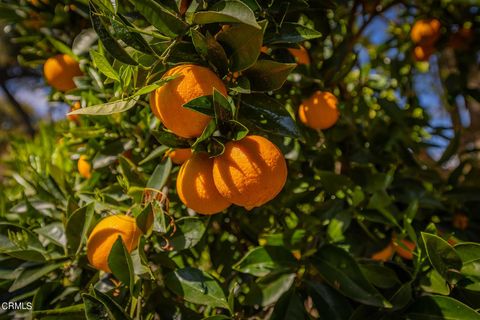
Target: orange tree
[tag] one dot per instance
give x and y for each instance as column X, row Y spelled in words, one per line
column 243, row 159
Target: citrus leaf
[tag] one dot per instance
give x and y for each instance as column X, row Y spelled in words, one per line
column 189, row 232
column 440, row 308
column 442, row 256
column 121, row 264
column 160, row 17
column 160, row 175
column 261, row 261
column 197, row 287
column 103, row 65
column 268, row 75
column 289, row 306
column 107, row 108
column 341, row 271
column 267, row 290
column 291, row 33
column 30, row 275
column 227, row 11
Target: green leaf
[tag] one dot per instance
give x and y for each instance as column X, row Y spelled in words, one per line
column 197, row 287
column 30, row 275
column 107, row 108
column 341, row 271
column 170, row 140
column 379, row 275
column 223, row 106
column 207, row 133
column 94, row 309
column 270, row 115
column 133, row 39
column 243, row 44
column 289, row 306
column 440, row 308
column 189, row 232
column 55, row 232
column 104, row 66
column 267, row 290
column 77, row 227
column 261, row 261
column 333, row 305
column 442, row 256
column 160, row 17
column 433, row 282
column 160, row 175
column 203, row 104
column 227, row 11
column 291, row 33
column 268, row 75
column 216, row 54
column 110, row 43
column 120, row 262
column 143, row 217
column 60, row 46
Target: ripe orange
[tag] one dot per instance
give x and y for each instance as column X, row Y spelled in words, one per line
column 405, row 249
column 320, row 111
column 104, row 235
column 423, row 53
column 84, row 167
column 385, row 254
column 300, row 55
column 167, row 101
column 250, row 172
column 179, row 156
column 460, row 221
column 425, row 32
column 60, row 70
column 195, row 186
column 75, row 106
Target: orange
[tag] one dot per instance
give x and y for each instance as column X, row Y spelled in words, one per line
column 423, row 53
column 264, row 49
column 425, row 32
column 460, row 221
column 179, row 156
column 385, row 254
column 104, row 235
column 300, row 55
column 84, row 167
column 60, row 70
column 195, row 186
column 74, row 117
column 250, row 172
column 167, row 101
column 405, row 249
column 320, row 111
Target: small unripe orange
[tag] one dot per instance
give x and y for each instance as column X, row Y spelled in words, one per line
column 423, row 53
column 320, row 111
column 60, row 70
column 75, row 106
column 84, row 167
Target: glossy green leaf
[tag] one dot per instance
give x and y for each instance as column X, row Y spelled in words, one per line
column 334, row 306
column 170, row 140
column 107, row 108
column 289, row 306
column 267, row 290
column 190, row 231
column 270, row 115
column 77, row 227
column 440, row 308
column 104, row 66
column 55, row 232
column 196, row 286
column 442, row 256
column 203, row 104
column 227, row 11
column 291, row 33
column 268, row 75
column 161, row 17
column 160, row 175
column 261, row 261
column 341, row 271
column 120, row 262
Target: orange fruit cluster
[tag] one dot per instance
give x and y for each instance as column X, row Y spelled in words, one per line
column 60, row 70
column 104, row 235
column 424, row 34
column 249, row 173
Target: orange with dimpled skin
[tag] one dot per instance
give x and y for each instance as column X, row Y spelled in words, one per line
column 320, row 111
column 60, row 70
